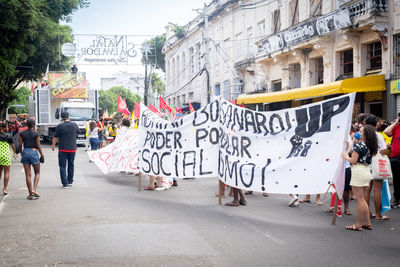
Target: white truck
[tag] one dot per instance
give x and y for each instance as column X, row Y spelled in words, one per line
column 47, row 110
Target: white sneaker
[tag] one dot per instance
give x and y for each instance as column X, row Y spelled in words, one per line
column 293, row 201
column 65, row 187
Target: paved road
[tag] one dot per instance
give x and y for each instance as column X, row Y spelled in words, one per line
column 104, row 221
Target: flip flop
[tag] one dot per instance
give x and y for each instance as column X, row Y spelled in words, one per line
column 353, row 227
column 248, row 192
column 149, row 188
column 368, row 227
column 231, row 204
column 265, row 195
column 35, row 194
column 383, row 218
column 29, row 198
column 348, row 212
column 305, row 201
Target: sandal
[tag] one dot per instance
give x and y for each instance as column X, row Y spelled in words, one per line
column 353, row 227
column 383, row 218
column 232, row 204
column 368, row 227
column 149, row 188
column 305, row 200
column 348, row 212
column 35, row 194
column 29, row 198
column 248, row 192
column 243, row 202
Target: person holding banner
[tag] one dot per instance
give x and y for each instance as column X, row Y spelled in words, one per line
column 236, row 201
column 361, row 174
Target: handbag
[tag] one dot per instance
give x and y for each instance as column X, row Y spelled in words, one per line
column 380, row 167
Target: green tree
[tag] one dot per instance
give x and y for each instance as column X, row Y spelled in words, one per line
column 155, row 56
column 30, row 37
column 157, row 84
column 21, row 96
column 108, row 99
column 179, row 31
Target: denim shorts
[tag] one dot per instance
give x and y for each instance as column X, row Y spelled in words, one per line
column 30, row 156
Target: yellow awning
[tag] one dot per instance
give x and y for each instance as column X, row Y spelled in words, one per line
column 361, row 84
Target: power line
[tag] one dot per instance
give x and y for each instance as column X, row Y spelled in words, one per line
column 183, row 87
column 189, row 64
column 223, row 58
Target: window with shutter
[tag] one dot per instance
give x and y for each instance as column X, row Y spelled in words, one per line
column 276, row 21
column 315, row 7
column 294, row 12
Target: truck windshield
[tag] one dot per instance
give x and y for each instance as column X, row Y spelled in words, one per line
column 81, row 114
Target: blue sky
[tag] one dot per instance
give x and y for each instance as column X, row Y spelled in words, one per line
column 129, row 17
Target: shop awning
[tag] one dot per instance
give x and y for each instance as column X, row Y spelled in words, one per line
column 361, row 84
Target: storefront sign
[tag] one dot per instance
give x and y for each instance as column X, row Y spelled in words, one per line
column 323, row 25
column 67, row 85
column 395, row 87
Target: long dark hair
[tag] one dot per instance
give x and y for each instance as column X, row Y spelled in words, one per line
column 92, row 125
column 370, row 139
column 30, row 123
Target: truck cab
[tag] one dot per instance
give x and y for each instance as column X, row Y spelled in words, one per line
column 80, row 112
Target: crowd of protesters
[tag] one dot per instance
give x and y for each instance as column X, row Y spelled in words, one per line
column 368, row 137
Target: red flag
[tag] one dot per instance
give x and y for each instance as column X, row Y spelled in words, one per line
column 137, row 110
column 191, row 108
column 163, row 105
column 155, row 110
column 121, row 107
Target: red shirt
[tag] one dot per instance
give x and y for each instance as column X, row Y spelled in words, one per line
column 395, row 142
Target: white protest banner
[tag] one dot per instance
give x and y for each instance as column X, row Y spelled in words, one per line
column 186, row 147
column 295, row 150
column 120, row 155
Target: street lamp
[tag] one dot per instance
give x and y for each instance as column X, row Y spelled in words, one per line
column 15, row 106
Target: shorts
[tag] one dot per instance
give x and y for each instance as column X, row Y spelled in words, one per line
column 360, row 175
column 347, row 177
column 30, row 156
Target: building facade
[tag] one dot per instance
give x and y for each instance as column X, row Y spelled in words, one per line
column 280, row 45
column 133, row 82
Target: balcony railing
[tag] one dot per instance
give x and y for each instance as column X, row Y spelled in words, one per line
column 367, row 6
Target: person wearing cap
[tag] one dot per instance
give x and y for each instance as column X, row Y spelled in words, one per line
column 66, row 135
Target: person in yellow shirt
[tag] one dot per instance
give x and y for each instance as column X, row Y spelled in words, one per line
column 112, row 131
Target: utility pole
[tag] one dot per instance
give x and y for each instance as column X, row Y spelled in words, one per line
column 207, row 52
column 204, row 13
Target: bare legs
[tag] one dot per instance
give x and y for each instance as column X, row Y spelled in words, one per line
column 237, row 193
column 307, row 199
column 36, row 169
column 6, row 177
column 362, row 207
column 377, row 187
